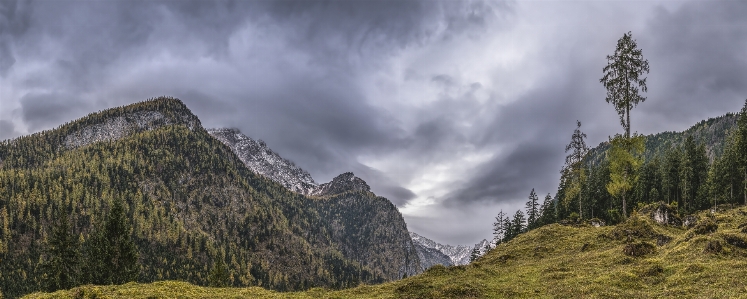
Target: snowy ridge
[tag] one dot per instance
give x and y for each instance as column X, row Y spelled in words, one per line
column 262, row 160
column 121, row 126
column 459, row 254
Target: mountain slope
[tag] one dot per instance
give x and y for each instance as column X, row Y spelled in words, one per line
column 635, row 259
column 430, row 257
column 366, row 228
column 712, row 132
column 189, row 198
column 262, row 160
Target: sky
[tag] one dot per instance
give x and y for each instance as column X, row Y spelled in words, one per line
column 453, row 110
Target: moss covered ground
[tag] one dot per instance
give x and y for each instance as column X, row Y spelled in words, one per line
column 635, row 259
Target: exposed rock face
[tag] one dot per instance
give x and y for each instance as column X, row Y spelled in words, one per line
column 366, row 228
column 262, row 160
column 114, row 128
column 597, row 222
column 459, row 255
column 369, row 229
column 341, row 184
column 662, row 214
column 689, row 221
column 430, row 257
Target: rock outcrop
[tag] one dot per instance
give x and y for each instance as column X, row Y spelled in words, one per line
column 259, row 158
column 342, row 183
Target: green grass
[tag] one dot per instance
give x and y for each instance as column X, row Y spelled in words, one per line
column 554, row 261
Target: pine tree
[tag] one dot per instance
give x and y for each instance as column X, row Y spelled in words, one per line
column 621, row 78
column 547, row 211
column 625, row 157
column 508, row 229
column 112, row 255
column 218, row 274
column 574, row 164
column 517, row 224
column 486, row 248
column 741, row 148
column 475, row 254
column 622, row 81
column 498, row 228
column 532, row 209
column 62, row 267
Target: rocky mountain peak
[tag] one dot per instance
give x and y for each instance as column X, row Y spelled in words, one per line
column 458, row 255
column 262, row 160
column 341, row 184
column 116, row 123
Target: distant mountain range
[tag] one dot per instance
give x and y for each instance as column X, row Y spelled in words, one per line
column 432, row 253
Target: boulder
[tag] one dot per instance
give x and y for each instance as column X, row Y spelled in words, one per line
column 597, row 222
column 662, row 213
column 689, row 221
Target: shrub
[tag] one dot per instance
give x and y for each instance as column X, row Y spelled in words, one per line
column 634, row 227
column 466, row 290
column 652, row 271
column 638, row 249
column 705, row 226
column 736, row 240
column 713, row 246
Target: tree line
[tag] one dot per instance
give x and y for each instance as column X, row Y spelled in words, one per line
column 610, row 187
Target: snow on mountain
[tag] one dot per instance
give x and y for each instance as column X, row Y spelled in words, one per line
column 459, row 254
column 262, row 160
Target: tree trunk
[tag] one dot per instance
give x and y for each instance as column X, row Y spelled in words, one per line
column 627, row 114
column 625, row 208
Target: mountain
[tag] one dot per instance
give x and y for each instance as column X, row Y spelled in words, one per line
column 367, row 228
column 341, row 184
column 430, row 257
column 258, row 157
column 190, row 201
column 457, row 255
column 712, row 132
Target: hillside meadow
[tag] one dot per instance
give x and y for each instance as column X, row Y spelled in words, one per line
column 638, row 258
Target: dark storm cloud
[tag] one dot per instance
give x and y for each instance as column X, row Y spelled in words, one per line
column 14, row 20
column 45, row 110
column 344, row 31
column 7, row 130
column 509, row 177
column 299, row 75
column 698, row 57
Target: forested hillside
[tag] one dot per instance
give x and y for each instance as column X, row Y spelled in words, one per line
column 712, row 133
column 692, row 170
column 192, row 209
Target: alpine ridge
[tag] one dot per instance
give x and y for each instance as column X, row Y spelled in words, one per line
column 258, row 157
column 192, row 204
column 346, row 203
column 457, row 255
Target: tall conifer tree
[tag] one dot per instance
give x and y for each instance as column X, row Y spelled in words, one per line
column 62, row 267
column 623, row 83
column 112, row 255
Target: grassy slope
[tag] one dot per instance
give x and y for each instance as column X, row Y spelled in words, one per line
column 554, row 261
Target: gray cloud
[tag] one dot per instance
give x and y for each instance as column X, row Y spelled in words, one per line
column 697, row 55
column 7, row 130
column 466, row 105
column 45, row 110
column 14, row 20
